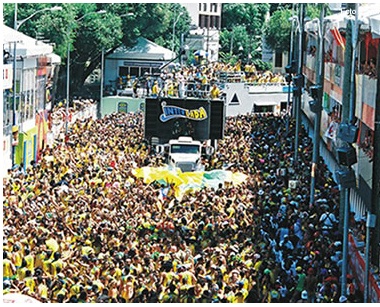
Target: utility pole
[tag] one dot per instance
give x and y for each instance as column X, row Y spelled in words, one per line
column 319, row 89
column 344, row 209
column 299, row 82
column 14, row 109
column 15, row 18
column 100, row 104
column 375, row 207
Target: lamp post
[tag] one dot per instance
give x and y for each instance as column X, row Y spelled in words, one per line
column 17, row 24
column 174, row 24
column 299, row 82
column 290, row 69
column 318, row 104
column 68, row 70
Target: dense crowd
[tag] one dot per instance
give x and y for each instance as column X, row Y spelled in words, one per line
column 79, row 227
column 196, row 81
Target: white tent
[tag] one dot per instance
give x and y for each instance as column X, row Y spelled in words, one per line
column 144, row 56
column 26, row 46
column 374, row 24
column 143, row 50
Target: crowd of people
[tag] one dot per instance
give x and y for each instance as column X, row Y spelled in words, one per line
column 196, row 81
column 79, row 227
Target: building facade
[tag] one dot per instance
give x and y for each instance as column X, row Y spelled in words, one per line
column 365, row 93
column 29, row 69
column 204, row 34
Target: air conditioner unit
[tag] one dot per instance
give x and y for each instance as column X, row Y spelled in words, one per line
column 346, row 178
column 347, row 156
column 348, row 132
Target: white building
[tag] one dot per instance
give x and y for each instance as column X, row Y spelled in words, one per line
column 26, row 121
column 204, row 33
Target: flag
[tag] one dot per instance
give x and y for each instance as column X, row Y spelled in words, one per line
column 338, row 37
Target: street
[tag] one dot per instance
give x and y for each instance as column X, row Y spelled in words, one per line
column 114, row 238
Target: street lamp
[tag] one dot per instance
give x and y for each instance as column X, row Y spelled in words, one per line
column 17, row 24
column 298, row 80
column 174, row 24
column 68, row 70
column 316, row 103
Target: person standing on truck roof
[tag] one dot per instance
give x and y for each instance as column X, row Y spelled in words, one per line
column 215, row 91
column 155, row 89
column 134, row 86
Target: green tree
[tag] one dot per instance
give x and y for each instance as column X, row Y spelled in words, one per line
column 277, row 30
column 242, row 25
column 80, row 27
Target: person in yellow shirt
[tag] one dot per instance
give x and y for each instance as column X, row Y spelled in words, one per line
column 215, row 91
column 29, row 282
column 171, row 89
column 9, row 270
column 29, row 259
column 42, row 289
column 21, row 271
column 56, row 265
column 17, row 256
column 155, row 89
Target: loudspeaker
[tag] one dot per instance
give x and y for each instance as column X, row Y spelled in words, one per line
column 315, row 91
column 298, row 80
column 315, row 107
column 348, row 133
column 347, row 156
column 297, row 91
column 346, row 178
column 291, row 69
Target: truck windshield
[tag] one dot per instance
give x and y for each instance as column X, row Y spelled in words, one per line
column 180, row 148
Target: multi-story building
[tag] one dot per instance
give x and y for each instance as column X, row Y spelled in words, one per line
column 27, row 97
column 365, row 94
column 204, row 35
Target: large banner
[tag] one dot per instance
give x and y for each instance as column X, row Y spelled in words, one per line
column 7, row 76
column 169, row 118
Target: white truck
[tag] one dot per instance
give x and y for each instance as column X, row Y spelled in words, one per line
column 185, row 153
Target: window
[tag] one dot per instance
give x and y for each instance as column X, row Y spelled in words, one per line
column 278, row 59
column 214, row 7
column 205, row 7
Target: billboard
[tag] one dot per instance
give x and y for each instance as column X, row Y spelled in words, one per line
column 169, row 118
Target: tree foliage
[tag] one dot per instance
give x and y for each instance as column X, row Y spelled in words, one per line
column 80, row 27
column 241, row 32
column 278, row 29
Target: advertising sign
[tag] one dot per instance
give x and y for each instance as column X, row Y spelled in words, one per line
column 169, row 118
column 7, row 76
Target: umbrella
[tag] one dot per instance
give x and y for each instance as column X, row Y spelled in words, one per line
column 52, row 244
column 201, row 53
column 19, row 298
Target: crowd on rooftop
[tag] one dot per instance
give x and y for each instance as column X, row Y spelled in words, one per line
column 196, row 81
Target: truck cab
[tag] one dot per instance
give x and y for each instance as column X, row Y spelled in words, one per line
column 185, row 153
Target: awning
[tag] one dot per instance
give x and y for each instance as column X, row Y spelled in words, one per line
column 266, row 103
column 269, row 99
column 365, row 12
column 374, row 24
